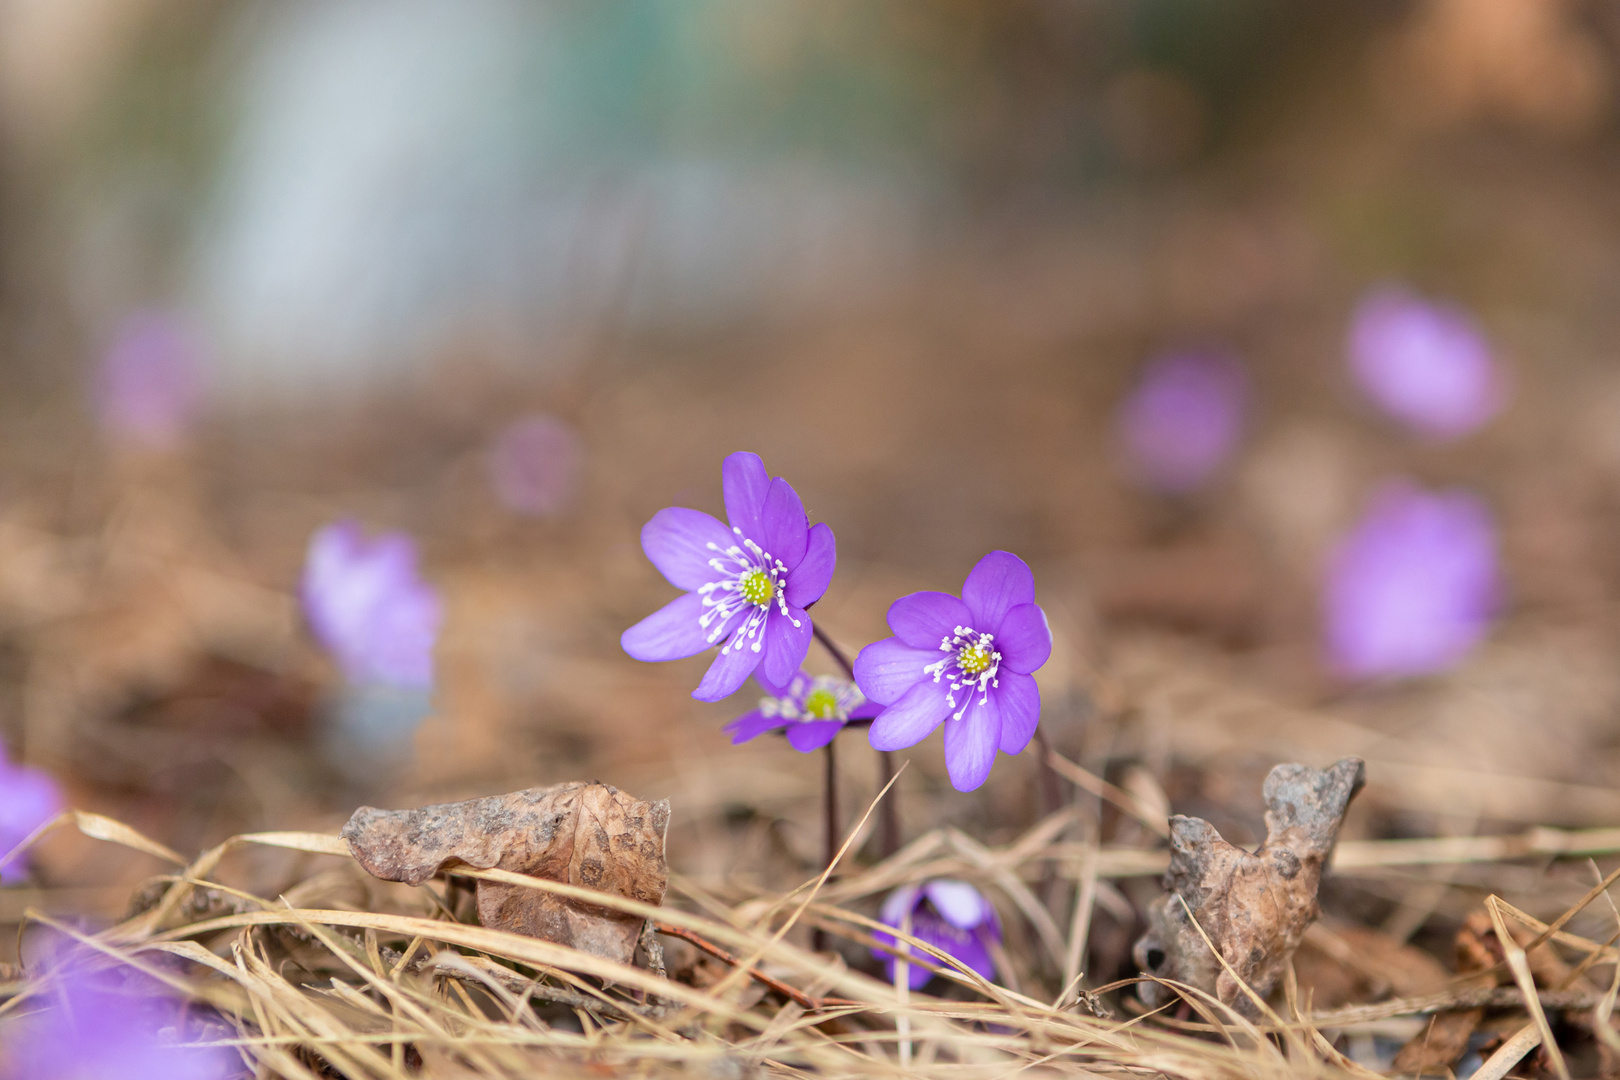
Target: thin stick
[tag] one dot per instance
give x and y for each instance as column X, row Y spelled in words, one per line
column 889, row 812
column 829, row 846
column 1051, row 783
column 837, row 653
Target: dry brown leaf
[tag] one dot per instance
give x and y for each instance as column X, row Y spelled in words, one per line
column 1445, row 1039
column 587, row 834
column 1254, row 908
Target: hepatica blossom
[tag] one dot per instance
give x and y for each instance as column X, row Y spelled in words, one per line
column 534, row 466
column 1412, row 588
column 949, row 915
column 966, row 663
column 28, row 799
column 810, row 710
column 1427, row 365
column 1183, row 419
column 367, row 606
column 111, row 1025
column 746, row 586
column 150, row 383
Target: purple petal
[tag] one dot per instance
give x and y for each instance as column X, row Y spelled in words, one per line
column 670, row 633
column 751, row 725
column 895, row 906
column 809, row 580
column 786, row 528
column 1020, row 702
column 886, row 669
column 28, row 799
column 1426, row 364
column 971, row 742
column 729, row 670
column 866, row 710
column 960, row 903
column 1183, row 419
column 677, row 541
column 1024, row 640
column 786, row 644
column 811, row 735
column 967, row 947
column 925, row 620
column 744, row 480
column 1414, row 586
column 1000, row 582
column 911, row 719
column 917, row 976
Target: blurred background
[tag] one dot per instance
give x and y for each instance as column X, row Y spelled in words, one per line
column 507, row 278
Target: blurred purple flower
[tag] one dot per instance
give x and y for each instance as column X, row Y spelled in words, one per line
column 949, row 915
column 367, row 606
column 813, row 709
column 1413, row 586
column 1427, row 365
column 28, row 799
column 747, row 585
column 150, row 383
column 1183, row 419
column 993, row 639
column 112, row 1025
column 534, row 465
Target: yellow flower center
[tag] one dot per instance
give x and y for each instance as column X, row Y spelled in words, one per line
column 973, row 659
column 821, row 704
column 757, row 588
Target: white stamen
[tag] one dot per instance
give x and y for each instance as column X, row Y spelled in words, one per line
column 791, row 705
column 726, row 597
column 962, row 641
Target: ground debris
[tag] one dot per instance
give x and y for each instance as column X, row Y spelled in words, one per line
column 587, row 834
column 1253, row 907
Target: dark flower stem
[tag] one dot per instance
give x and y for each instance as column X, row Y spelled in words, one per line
column 889, row 812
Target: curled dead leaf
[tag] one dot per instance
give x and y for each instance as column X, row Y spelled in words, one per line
column 586, row 834
column 1253, row 907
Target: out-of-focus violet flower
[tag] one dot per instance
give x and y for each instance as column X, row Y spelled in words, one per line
column 150, row 383
column 112, row 1025
column 951, row 916
column 811, row 709
column 367, row 606
column 746, row 586
column 1413, row 587
column 967, row 663
column 534, row 466
column 1183, row 419
column 28, row 799
column 1427, row 365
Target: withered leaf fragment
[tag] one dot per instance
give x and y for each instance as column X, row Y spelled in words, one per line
column 1255, row 908
column 586, row 834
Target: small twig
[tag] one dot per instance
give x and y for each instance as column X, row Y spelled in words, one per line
column 889, row 812
column 837, row 653
column 794, row 994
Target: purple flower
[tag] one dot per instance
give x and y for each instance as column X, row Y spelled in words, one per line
column 969, row 660
column 534, row 465
column 28, row 799
column 150, row 383
column 1183, row 419
column 1427, row 365
column 747, row 586
column 112, row 1025
column 367, row 606
column 1413, row 586
column 813, row 709
column 949, row 915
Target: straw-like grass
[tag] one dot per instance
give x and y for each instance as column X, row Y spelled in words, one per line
column 316, row 988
